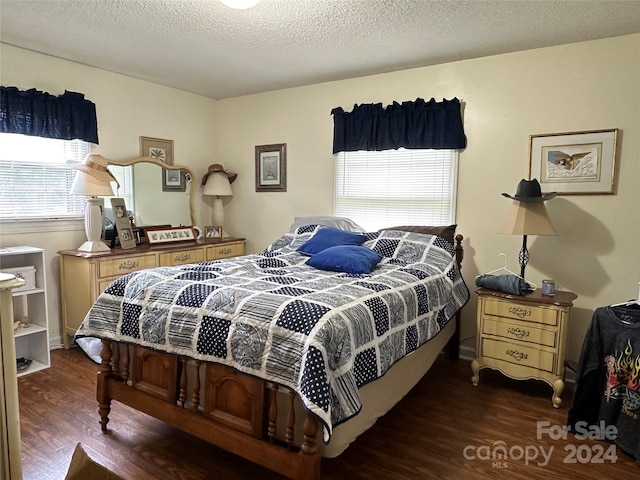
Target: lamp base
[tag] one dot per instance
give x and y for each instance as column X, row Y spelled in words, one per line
column 93, row 247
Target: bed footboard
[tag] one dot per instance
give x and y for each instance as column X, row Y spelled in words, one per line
column 216, row 403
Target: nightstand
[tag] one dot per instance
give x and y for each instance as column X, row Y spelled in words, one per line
column 523, row 336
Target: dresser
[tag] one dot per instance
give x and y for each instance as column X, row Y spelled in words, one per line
column 523, row 336
column 84, row 275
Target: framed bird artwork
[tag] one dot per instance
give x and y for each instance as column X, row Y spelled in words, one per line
column 574, row 162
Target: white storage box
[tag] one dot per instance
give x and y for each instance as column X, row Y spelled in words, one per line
column 26, row 273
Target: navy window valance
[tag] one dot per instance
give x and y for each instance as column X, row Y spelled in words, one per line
column 32, row 112
column 419, row 124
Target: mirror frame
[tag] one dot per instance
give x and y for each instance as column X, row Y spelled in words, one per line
column 133, row 161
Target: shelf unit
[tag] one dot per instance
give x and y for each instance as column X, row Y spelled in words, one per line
column 30, row 306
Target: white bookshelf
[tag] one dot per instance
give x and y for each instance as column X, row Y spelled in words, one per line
column 30, row 307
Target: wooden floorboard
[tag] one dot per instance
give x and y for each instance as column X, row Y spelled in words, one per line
column 424, row 437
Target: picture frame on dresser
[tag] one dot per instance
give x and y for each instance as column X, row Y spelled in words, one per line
column 169, row 235
column 123, row 224
column 213, row 233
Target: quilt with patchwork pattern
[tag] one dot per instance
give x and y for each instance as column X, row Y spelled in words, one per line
column 322, row 334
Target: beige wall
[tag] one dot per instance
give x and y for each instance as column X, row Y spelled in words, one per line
column 586, row 86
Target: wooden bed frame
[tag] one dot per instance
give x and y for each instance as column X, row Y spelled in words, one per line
column 238, row 413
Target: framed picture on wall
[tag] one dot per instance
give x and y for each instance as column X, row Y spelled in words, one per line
column 271, row 168
column 574, row 162
column 162, row 150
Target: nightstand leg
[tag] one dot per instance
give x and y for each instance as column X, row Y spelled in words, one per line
column 474, row 369
column 558, row 388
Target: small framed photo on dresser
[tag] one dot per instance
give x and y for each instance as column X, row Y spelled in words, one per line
column 213, row 233
column 123, row 224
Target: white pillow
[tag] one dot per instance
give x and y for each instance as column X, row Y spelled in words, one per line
column 342, row 223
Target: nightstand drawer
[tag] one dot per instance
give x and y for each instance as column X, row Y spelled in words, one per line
column 521, row 311
column 522, row 331
column 182, row 257
column 122, row 266
column 518, row 354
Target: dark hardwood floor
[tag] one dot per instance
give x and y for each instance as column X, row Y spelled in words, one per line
column 441, row 430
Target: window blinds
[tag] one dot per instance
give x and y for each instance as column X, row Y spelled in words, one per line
column 35, row 179
column 396, row 187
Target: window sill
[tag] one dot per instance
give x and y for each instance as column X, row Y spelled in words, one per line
column 9, row 227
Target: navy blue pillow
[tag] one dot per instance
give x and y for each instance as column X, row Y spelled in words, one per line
column 346, row 258
column 330, row 237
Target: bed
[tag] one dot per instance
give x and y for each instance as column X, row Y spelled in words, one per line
column 288, row 355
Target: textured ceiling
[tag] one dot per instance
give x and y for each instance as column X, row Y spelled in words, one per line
column 204, row 47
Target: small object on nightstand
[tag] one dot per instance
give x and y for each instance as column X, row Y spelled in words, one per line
column 523, row 336
column 548, row 287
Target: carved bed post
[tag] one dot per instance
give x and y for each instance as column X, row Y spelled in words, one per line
column 309, row 430
column 453, row 347
column 104, row 374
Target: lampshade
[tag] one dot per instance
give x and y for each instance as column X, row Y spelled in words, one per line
column 527, row 219
column 90, row 186
column 217, row 184
column 84, row 184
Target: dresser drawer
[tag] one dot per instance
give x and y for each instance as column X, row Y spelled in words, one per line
column 518, row 354
column 216, row 252
column 122, row 266
column 522, row 331
column 521, row 311
column 182, row 257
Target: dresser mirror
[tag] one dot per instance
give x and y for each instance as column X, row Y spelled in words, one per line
column 154, row 192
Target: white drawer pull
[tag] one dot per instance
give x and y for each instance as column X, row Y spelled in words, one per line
column 128, row 265
column 518, row 332
column 520, row 312
column 516, row 354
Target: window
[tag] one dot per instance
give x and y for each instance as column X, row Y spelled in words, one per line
column 35, row 178
column 396, row 187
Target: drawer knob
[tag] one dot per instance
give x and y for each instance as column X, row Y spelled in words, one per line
column 518, row 332
column 182, row 257
column 224, row 251
column 520, row 312
column 516, row 354
column 128, row 265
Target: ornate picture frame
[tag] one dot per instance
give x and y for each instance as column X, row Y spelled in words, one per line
column 574, row 163
column 271, row 168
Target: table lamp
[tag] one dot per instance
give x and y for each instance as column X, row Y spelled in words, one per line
column 528, row 216
column 217, row 182
column 93, row 180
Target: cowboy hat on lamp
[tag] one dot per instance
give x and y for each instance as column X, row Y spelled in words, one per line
column 530, row 191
